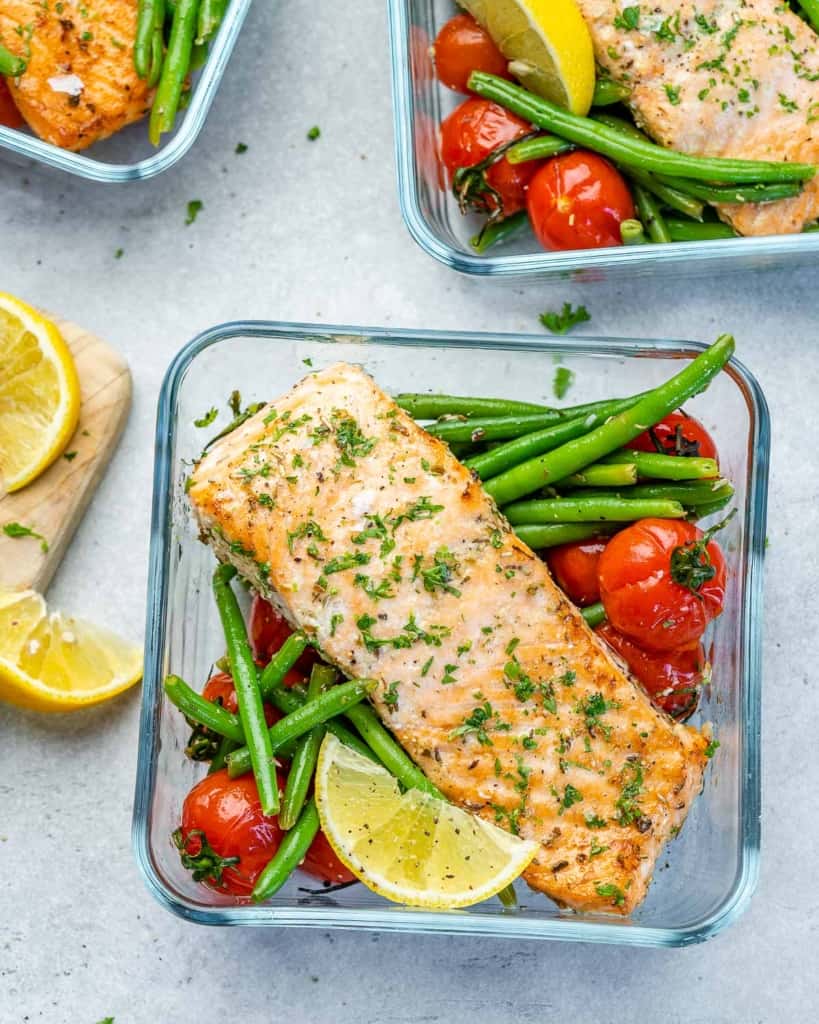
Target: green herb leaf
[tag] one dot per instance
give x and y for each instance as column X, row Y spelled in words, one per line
column 208, row 417
column 194, row 206
column 17, row 530
column 241, row 147
column 609, row 889
column 563, row 380
column 314, row 133
column 565, row 320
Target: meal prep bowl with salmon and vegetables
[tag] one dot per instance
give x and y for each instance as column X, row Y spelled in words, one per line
column 115, row 90
column 416, row 645
column 540, row 136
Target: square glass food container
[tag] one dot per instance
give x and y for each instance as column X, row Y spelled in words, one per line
column 712, row 867
column 431, row 213
column 128, row 154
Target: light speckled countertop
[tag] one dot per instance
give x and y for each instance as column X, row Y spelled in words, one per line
column 301, row 231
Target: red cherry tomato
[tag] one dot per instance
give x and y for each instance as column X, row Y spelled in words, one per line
column 470, row 133
column 577, row 201
column 574, row 567
column 659, row 586
column 672, row 679
column 677, row 434
column 10, row 116
column 220, row 688
column 268, row 630
column 222, row 819
column 462, row 47
column 321, row 862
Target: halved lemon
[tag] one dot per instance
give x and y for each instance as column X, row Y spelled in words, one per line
column 410, row 847
column 547, row 44
column 51, row 662
column 39, row 393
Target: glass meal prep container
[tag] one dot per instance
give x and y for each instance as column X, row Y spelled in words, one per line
column 128, row 154
column 712, row 866
column 431, row 212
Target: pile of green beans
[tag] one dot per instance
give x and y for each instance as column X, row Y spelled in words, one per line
column 188, row 25
column 573, row 466
column 662, row 180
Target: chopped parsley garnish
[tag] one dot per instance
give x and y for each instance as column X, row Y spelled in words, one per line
column 475, row 724
column 563, row 380
column 711, row 748
column 69, row 456
column 307, row 529
column 628, row 807
column 411, row 634
column 595, row 821
column 194, row 207
column 346, row 561
column 596, row 849
column 423, row 508
column 449, row 674
column 673, row 94
column 440, row 574
column 17, row 530
column 207, row 418
column 496, row 539
column 790, row 105
column 335, row 621
column 119, row 253
column 314, row 133
column 391, row 695
column 592, row 709
column 376, row 591
column 566, row 319
column 241, row 147
column 570, row 797
column 609, row 889
column 628, row 19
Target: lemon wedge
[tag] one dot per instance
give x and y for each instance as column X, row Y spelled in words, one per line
column 39, row 393
column 547, row 44
column 410, row 847
column 51, row 662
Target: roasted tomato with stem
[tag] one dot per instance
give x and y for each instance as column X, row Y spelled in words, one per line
column 673, row 679
column 677, row 434
column 574, row 567
column 662, row 581
column 267, row 630
column 224, row 839
column 203, row 743
column 463, row 46
column 578, row 201
column 473, row 140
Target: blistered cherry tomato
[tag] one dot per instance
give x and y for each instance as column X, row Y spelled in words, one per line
column 463, row 46
column 470, row 133
column 574, row 567
column 577, row 201
column 321, row 862
column 661, row 584
column 672, row 678
column 10, row 116
column 224, row 833
column 677, row 434
column 220, row 689
column 267, row 630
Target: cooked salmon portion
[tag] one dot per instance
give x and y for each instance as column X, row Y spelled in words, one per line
column 729, row 78
column 80, row 85
column 371, row 537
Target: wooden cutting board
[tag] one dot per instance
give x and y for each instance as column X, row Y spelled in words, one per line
column 54, row 503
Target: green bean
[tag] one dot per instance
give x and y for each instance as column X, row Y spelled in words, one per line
column 290, row 854
column 430, row 407
column 174, row 70
column 575, row 455
column 688, row 494
column 549, row 535
column 607, row 92
column 709, row 508
column 588, row 510
column 388, row 752
column 336, row 701
column 497, row 231
column 650, row 215
column 594, row 614
column 672, row 197
column 211, row 13
column 632, row 233
column 654, row 466
column 220, row 757
column 492, row 428
column 149, row 45
column 246, row 681
column 811, row 10
column 541, row 147
column 303, row 764
column 591, row 133
column 288, row 700
column 11, row 66
column 194, row 706
column 600, row 475
column 734, row 193
column 507, row 897
column 688, row 231
column 272, row 675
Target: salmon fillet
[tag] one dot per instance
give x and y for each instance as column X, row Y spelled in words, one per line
column 80, row 85
column 371, row 537
column 728, row 78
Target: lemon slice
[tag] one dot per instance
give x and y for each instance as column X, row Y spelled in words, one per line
column 412, row 847
column 39, row 393
column 49, row 662
column 547, row 44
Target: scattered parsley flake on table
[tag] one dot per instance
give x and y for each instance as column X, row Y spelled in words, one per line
column 17, row 530
column 119, row 254
column 563, row 380
column 194, row 206
column 69, row 456
column 208, row 418
column 241, row 147
column 314, row 133
column 565, row 320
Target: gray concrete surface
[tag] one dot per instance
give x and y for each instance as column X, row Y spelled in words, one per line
column 293, row 230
